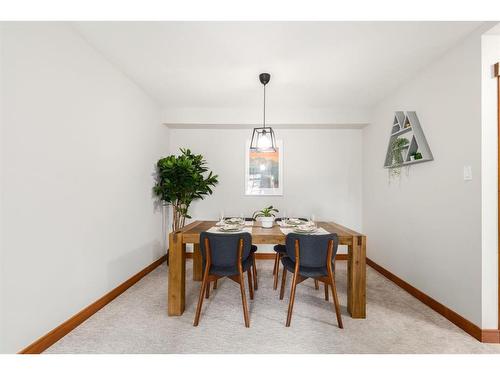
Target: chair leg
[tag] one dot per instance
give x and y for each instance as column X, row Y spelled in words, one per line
column 200, row 302
column 292, row 300
column 283, row 281
column 336, row 300
column 316, row 284
column 326, row 292
column 215, row 284
column 254, row 270
column 207, row 290
column 244, row 300
column 250, row 283
column 276, row 270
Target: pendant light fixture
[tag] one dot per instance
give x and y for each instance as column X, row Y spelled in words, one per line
column 263, row 139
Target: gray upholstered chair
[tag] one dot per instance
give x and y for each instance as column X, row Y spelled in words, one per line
column 280, row 251
column 225, row 255
column 310, row 256
column 253, row 250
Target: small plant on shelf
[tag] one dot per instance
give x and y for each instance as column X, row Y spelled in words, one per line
column 266, row 215
column 396, row 153
column 415, row 156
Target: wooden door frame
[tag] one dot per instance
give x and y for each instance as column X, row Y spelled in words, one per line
column 497, row 75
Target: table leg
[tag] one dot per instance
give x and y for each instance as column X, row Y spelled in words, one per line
column 356, row 274
column 176, row 275
column 197, row 263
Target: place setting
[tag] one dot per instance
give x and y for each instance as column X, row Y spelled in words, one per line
column 231, row 225
column 265, row 219
column 300, row 226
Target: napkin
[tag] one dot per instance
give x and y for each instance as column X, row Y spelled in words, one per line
column 216, row 230
column 320, row 230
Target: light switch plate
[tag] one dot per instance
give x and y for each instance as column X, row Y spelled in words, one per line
column 467, row 173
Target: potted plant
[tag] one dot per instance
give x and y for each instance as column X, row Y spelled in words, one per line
column 181, row 179
column 415, row 156
column 266, row 216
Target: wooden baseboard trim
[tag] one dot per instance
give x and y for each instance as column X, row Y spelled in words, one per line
column 490, row 336
column 59, row 332
column 483, row 335
column 270, row 256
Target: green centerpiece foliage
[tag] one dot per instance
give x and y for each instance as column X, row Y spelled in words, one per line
column 181, row 179
column 265, row 212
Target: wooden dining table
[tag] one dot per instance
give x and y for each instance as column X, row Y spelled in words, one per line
column 190, row 234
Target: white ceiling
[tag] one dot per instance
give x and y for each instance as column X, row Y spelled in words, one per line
column 312, row 64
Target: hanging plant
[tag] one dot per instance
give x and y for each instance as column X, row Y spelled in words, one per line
column 396, row 153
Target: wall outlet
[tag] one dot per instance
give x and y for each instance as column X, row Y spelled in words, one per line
column 467, row 173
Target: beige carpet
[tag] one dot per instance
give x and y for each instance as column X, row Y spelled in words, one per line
column 137, row 322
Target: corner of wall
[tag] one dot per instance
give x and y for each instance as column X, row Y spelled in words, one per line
column 1, row 185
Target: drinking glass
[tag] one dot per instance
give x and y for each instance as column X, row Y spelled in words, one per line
column 221, row 216
column 284, row 217
column 311, row 221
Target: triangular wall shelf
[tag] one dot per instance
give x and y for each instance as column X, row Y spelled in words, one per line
column 406, row 125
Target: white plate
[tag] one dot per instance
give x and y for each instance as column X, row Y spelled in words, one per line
column 293, row 222
column 229, row 229
column 305, row 231
column 233, row 220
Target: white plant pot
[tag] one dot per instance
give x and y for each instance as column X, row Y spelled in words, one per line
column 267, row 222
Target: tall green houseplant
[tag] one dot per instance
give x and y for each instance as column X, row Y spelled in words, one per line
column 181, row 179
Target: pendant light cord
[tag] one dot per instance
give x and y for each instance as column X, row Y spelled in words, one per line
column 264, row 106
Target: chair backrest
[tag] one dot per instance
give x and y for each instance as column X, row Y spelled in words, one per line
column 313, row 249
column 300, row 218
column 224, row 247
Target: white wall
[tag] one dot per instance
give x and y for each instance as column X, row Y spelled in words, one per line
column 79, row 142
column 427, row 229
column 322, row 173
column 1, row 182
column 274, row 115
column 490, row 48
